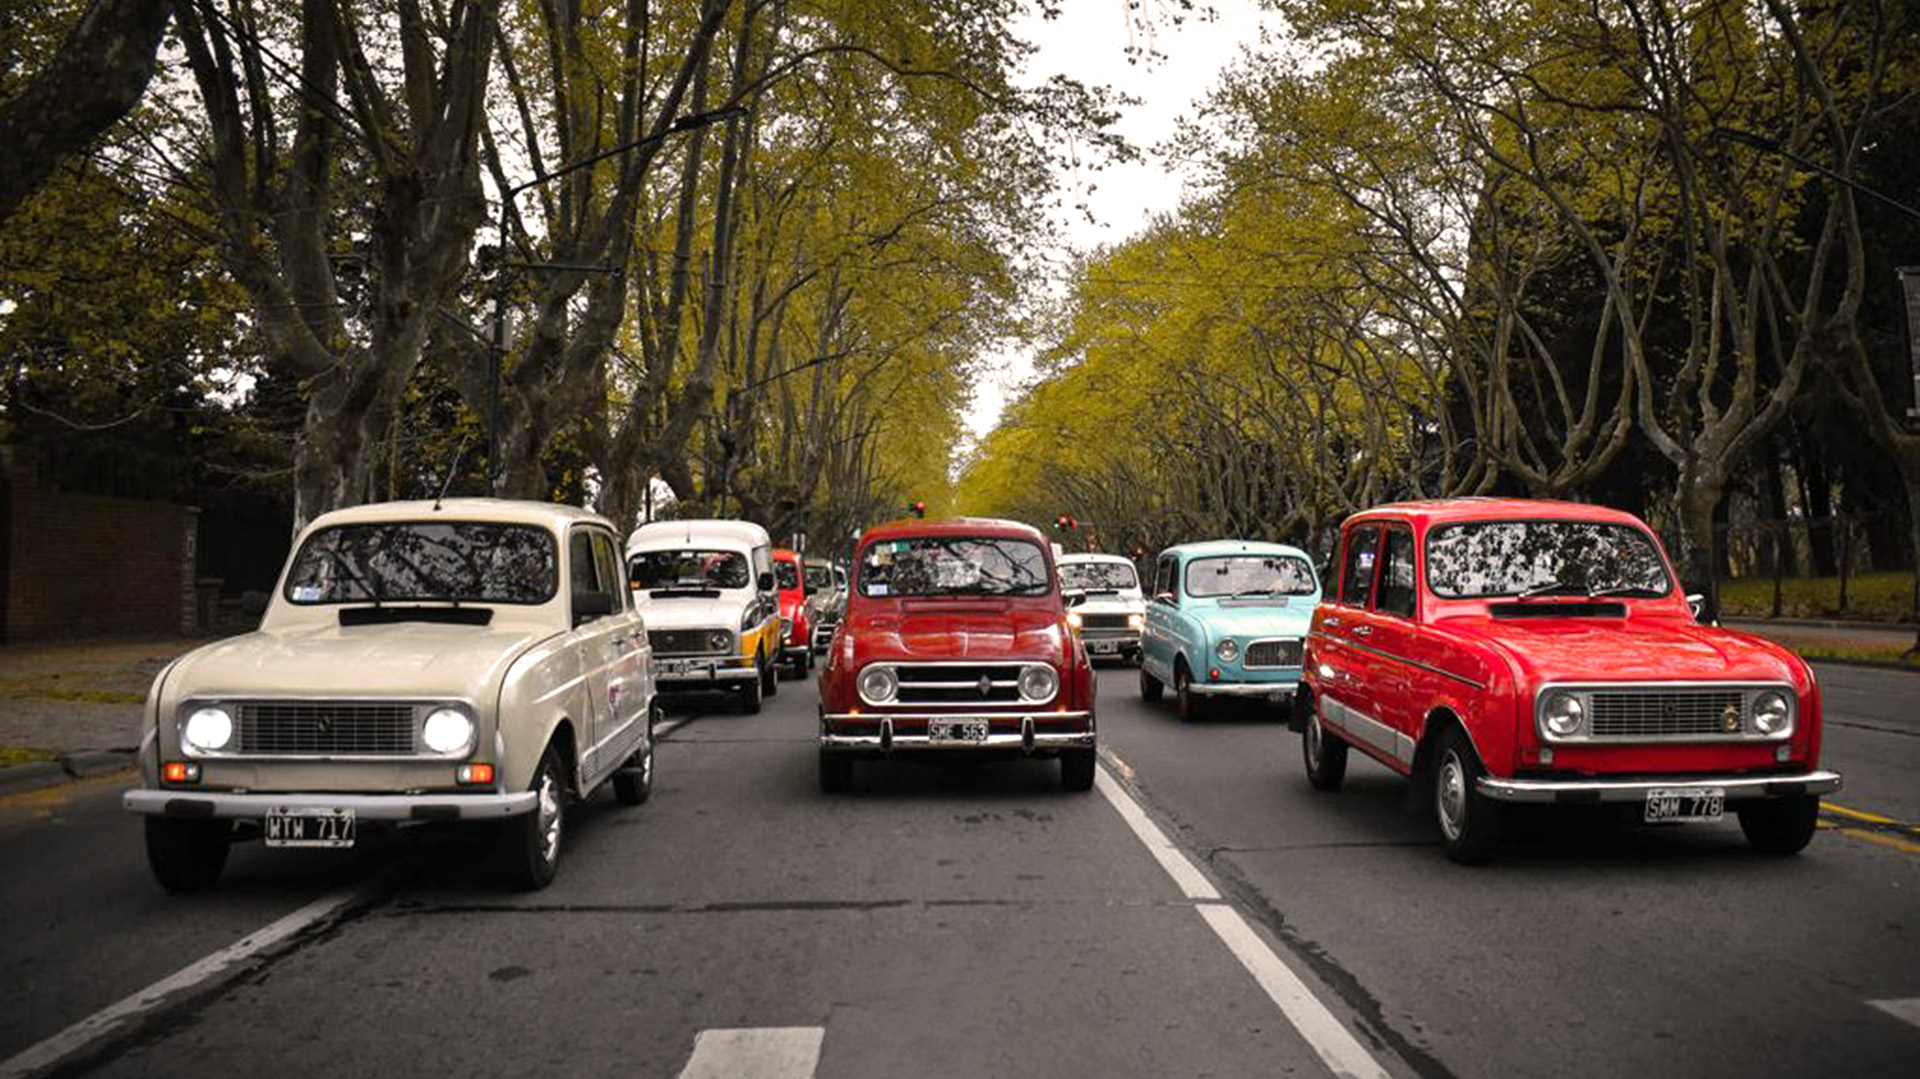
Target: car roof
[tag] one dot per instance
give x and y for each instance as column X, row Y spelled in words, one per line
column 1494, row 509
column 950, row 526
column 498, row 510
column 658, row 534
column 781, row 554
column 1208, row 548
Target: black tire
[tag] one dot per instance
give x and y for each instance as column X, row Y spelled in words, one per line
column 187, row 855
column 770, row 677
column 1185, row 703
column 633, row 783
column 1469, row 821
column 1076, row 769
column 751, row 692
column 836, row 773
column 1150, row 687
column 1780, row 826
column 530, row 843
column 1325, row 754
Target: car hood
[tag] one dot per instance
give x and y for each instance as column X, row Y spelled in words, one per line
column 1123, row 603
column 1638, row 649
column 409, row 659
column 1018, row 633
column 693, row 612
column 1256, row 622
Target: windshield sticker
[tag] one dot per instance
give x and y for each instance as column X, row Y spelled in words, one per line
column 306, row 593
column 877, row 590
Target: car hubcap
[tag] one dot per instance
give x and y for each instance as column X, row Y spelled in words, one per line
column 1451, row 794
column 1313, row 743
column 646, row 764
column 549, row 818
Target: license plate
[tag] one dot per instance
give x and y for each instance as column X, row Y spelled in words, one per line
column 957, row 730
column 1103, row 648
column 679, row 667
column 290, row 827
column 1705, row 803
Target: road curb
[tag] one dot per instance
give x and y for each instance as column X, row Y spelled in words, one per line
column 1820, row 623
column 32, row 776
column 69, row 768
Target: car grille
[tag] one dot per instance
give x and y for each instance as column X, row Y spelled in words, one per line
column 324, row 728
column 1664, row 713
column 681, row 642
column 958, row 683
column 1104, row 625
column 1275, row 652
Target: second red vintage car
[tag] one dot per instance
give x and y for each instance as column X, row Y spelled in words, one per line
column 796, row 630
column 1502, row 651
column 955, row 640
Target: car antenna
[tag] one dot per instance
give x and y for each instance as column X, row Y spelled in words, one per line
column 452, row 471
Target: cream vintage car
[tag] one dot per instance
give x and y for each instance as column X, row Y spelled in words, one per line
column 712, row 605
column 471, row 660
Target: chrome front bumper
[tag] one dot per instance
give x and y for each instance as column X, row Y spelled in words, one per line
column 1274, row 691
column 1028, row 740
column 225, row 805
column 1737, row 788
column 717, row 671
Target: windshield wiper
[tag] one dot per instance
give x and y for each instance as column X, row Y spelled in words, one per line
column 1557, row 588
column 1626, row 590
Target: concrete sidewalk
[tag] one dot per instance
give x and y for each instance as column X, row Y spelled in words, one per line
column 78, row 702
column 1830, row 634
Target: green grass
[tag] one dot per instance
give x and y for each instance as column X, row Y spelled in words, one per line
column 1871, row 597
column 88, row 687
column 12, row 755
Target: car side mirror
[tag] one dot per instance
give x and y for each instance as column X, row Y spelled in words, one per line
column 765, row 582
column 1073, row 597
column 588, row 606
column 1166, row 598
column 1697, row 603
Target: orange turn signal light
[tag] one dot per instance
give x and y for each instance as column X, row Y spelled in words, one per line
column 475, row 775
column 180, row 772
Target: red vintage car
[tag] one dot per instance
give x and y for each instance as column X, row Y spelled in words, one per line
column 1499, row 651
column 955, row 640
column 796, row 629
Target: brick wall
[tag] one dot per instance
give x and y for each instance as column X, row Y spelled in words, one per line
column 88, row 566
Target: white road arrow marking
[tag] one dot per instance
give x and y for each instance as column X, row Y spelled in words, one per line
column 755, row 1053
column 1908, row 1009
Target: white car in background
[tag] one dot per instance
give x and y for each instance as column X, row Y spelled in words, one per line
column 473, row 661
column 1114, row 611
column 712, row 606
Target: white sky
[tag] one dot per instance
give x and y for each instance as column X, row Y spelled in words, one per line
column 1089, row 42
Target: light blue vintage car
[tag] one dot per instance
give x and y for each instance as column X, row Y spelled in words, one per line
column 1227, row 620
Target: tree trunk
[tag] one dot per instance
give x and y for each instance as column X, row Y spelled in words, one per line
column 1702, row 488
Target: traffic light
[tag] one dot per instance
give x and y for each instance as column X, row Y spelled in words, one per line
column 918, row 509
column 1064, row 523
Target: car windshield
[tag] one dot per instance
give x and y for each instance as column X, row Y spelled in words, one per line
column 1250, row 575
column 819, row 579
column 449, row 561
column 692, row 569
column 788, row 575
column 1517, row 558
column 954, row 566
column 1098, row 576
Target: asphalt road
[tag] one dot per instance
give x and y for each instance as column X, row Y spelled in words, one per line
column 961, row 920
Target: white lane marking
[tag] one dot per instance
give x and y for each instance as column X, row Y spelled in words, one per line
column 1342, row 1052
column 101, row 1023
column 1908, row 1009
column 1190, row 881
column 755, row 1053
column 1338, row 1048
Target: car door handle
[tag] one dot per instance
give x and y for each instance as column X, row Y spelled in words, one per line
column 1330, row 623
column 1363, row 631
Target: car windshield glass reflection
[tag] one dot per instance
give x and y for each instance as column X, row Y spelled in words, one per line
column 954, row 566
column 451, row 561
column 690, row 569
column 1098, row 576
column 819, row 579
column 1250, row 575
column 1544, row 558
column 788, row 575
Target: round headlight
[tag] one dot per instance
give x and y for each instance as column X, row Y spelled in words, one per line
column 879, row 684
column 1228, row 650
column 1038, row 683
column 447, row 731
column 1136, row 620
column 1563, row 715
column 719, row 640
column 208, row 728
column 1074, row 619
column 1771, row 712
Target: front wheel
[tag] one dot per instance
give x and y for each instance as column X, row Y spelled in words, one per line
column 1780, row 825
column 1469, row 821
column 770, row 678
column 1076, row 769
column 633, row 783
column 750, row 694
column 1325, row 754
column 1185, row 702
column 530, row 843
column 1150, row 687
column 187, row 855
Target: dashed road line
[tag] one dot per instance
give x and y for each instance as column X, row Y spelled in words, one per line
column 755, row 1053
column 1337, row 1047
column 115, row 1017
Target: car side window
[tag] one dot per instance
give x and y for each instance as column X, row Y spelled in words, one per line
column 1396, row 593
column 1356, row 575
column 580, row 558
column 606, row 562
column 1163, row 580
